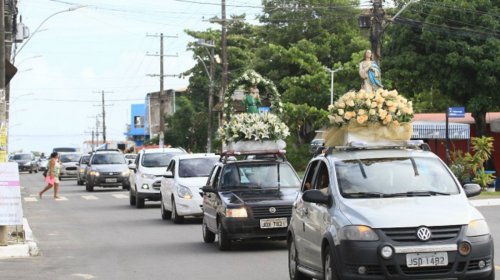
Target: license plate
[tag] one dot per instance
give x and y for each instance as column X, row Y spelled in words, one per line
column 111, row 180
column 273, row 223
column 427, row 259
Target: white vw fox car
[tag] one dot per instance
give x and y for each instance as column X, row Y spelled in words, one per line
column 180, row 189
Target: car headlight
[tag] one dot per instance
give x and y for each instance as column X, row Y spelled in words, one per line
column 126, row 173
column 82, row 170
column 148, row 176
column 94, row 173
column 184, row 192
column 358, row 233
column 477, row 228
column 27, row 164
column 236, row 213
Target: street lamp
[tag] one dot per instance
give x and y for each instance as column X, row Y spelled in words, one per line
column 40, row 25
column 332, row 72
column 213, row 57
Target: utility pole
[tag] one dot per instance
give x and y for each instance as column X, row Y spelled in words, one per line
column 161, row 94
column 377, row 30
column 224, row 50
column 103, row 105
column 3, row 125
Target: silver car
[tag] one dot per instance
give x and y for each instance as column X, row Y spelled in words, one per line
column 386, row 213
column 69, row 161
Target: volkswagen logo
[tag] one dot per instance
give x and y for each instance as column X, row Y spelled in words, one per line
column 272, row 210
column 424, row 234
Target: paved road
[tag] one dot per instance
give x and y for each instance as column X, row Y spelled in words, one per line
column 99, row 236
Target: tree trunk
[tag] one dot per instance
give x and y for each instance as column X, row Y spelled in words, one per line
column 480, row 119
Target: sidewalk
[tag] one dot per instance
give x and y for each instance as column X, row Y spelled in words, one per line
column 21, row 244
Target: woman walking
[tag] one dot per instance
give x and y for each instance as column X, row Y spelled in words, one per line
column 52, row 178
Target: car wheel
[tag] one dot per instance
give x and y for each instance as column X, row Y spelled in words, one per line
column 139, row 202
column 131, row 197
column 89, row 187
column 175, row 216
column 223, row 240
column 165, row 214
column 293, row 270
column 329, row 271
column 31, row 171
column 79, row 182
column 126, row 187
column 208, row 236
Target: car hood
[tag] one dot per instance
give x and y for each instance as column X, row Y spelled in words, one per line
column 21, row 162
column 193, row 182
column 157, row 171
column 110, row 167
column 410, row 211
column 259, row 196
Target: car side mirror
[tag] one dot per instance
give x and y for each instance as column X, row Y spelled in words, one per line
column 168, row 174
column 132, row 166
column 316, row 196
column 208, row 189
column 472, row 190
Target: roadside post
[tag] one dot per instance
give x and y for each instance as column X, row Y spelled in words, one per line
column 11, row 211
column 452, row 112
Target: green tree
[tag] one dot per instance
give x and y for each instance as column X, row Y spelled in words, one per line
column 451, row 46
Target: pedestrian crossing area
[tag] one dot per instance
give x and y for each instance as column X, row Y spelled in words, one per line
column 35, row 198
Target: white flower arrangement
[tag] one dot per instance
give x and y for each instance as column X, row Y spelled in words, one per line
column 383, row 107
column 253, row 127
column 249, row 79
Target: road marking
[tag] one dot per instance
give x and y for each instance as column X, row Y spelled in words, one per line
column 61, row 198
column 30, row 199
column 120, row 195
column 90, row 197
column 84, row 276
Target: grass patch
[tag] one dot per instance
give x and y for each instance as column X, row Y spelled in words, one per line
column 488, row 194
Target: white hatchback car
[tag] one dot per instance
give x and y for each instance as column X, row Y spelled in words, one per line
column 180, row 190
column 149, row 167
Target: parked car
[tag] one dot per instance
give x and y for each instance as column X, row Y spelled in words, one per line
column 107, row 168
column 180, row 189
column 386, row 212
column 149, row 167
column 69, row 164
column 26, row 162
column 248, row 199
column 82, row 167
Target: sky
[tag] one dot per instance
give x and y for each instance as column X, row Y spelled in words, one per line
column 103, row 46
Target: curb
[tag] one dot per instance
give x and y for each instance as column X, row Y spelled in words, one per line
column 485, row 202
column 20, row 250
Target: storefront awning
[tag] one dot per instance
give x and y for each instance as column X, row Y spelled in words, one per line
column 437, row 130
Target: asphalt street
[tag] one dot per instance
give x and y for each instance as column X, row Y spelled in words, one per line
column 100, row 236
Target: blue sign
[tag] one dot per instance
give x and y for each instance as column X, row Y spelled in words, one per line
column 456, row 112
column 264, row 109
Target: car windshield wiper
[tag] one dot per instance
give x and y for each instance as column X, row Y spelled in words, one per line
column 364, row 195
column 416, row 193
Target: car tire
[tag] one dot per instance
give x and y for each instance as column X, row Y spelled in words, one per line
column 31, row 171
column 175, row 216
column 79, row 182
column 165, row 214
column 208, row 236
column 125, row 187
column 131, row 197
column 139, row 202
column 89, row 187
column 329, row 271
column 293, row 270
column 223, row 240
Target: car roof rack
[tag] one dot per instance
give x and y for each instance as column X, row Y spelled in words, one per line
column 258, row 154
column 359, row 145
column 107, row 150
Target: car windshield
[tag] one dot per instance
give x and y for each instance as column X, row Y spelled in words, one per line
column 261, row 176
column 196, row 167
column 22, row 157
column 85, row 159
column 157, row 159
column 70, row 158
column 111, row 158
column 391, row 177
